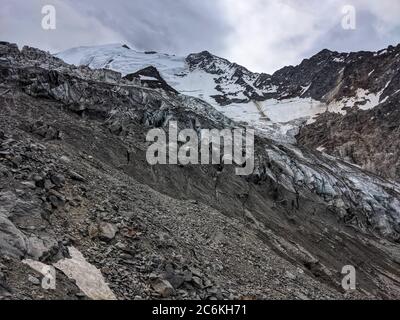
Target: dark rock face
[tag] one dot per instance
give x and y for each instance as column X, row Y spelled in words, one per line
column 151, row 78
column 369, row 138
column 193, row 232
column 330, row 76
column 206, row 61
column 326, row 76
column 227, row 74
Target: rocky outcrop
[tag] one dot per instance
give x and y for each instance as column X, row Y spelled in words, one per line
column 151, row 78
column 233, row 81
column 368, row 138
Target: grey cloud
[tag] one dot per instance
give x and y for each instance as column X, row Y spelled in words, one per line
column 175, row 26
column 21, row 23
column 286, row 31
column 263, row 35
column 178, row 26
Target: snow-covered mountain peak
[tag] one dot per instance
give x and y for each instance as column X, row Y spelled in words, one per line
column 203, row 75
column 121, row 58
column 215, row 65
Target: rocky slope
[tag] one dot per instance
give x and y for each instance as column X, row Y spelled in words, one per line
column 77, row 192
column 365, row 136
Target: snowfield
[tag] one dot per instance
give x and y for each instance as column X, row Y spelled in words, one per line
column 172, row 68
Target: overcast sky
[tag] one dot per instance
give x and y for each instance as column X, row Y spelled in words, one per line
column 263, row 35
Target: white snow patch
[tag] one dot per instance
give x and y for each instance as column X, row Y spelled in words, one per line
column 290, row 109
column 364, row 99
column 279, row 120
column 147, row 78
column 338, row 59
column 277, row 111
column 371, row 99
column 305, row 88
column 87, row 277
column 199, row 84
column 385, row 99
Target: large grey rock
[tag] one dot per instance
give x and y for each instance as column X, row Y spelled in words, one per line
column 12, row 241
column 163, row 287
column 7, row 202
column 107, row 231
column 58, row 179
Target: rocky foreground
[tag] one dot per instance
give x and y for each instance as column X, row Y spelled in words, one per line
column 77, row 193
